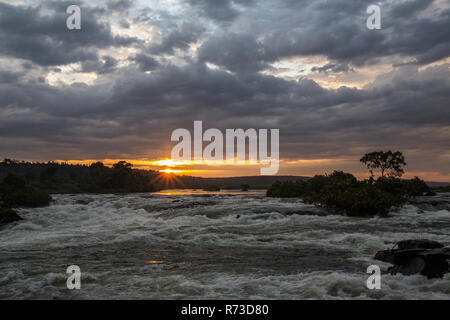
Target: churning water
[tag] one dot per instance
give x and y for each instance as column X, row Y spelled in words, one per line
column 197, row 245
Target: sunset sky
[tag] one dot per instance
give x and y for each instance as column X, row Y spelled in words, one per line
column 140, row 69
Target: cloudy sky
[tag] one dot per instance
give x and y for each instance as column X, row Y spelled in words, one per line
column 137, row 70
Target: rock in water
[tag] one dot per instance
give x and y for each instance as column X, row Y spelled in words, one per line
column 429, row 258
column 7, row 216
column 418, row 244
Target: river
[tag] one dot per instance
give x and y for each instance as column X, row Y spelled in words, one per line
column 187, row 244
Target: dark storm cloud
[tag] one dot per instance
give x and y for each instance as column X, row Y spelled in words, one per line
column 332, row 67
column 337, row 30
column 9, row 76
column 235, row 52
column 409, row 8
column 220, row 10
column 180, row 38
column 44, row 39
column 131, row 113
column 173, row 97
column 125, row 24
column 145, row 62
column 120, row 5
column 108, row 65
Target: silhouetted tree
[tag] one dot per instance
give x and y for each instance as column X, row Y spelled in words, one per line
column 99, row 176
column 389, row 163
column 122, row 171
column 123, row 166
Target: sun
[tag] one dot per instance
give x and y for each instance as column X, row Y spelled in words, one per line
column 168, row 179
column 168, row 162
column 170, row 171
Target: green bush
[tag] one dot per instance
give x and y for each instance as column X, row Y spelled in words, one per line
column 415, row 187
column 301, row 188
column 28, row 197
column 390, row 185
column 14, row 192
column 342, row 193
column 407, row 188
column 355, row 198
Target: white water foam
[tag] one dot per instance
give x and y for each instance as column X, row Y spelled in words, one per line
column 195, row 246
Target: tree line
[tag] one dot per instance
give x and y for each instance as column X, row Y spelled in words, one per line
column 56, row 177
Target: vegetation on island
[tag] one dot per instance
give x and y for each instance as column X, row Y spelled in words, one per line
column 96, row 178
column 342, row 193
column 16, row 192
column 29, row 185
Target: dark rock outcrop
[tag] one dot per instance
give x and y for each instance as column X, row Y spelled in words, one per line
column 7, row 216
column 425, row 257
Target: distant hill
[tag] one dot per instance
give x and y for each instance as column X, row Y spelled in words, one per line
column 189, row 182
column 438, row 184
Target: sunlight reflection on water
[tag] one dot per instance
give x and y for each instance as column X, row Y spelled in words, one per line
column 187, row 192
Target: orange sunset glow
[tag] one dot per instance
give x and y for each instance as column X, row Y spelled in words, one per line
column 170, row 171
column 288, row 167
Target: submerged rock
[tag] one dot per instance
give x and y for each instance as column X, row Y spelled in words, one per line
column 7, row 216
column 425, row 257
